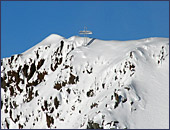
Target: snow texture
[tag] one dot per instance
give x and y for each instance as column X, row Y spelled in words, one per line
column 63, row 83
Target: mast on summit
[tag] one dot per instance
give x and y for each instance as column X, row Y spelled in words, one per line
column 85, row 32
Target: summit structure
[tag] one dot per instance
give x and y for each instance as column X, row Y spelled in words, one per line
column 85, row 32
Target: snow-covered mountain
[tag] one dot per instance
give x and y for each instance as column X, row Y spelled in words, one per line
column 63, row 83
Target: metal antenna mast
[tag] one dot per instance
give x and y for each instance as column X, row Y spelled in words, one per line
column 85, row 32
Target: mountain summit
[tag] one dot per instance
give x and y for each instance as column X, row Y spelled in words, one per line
column 65, row 83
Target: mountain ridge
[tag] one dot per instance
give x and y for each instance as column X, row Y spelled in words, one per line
column 64, row 83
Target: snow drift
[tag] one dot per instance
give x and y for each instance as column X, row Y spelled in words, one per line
column 63, row 83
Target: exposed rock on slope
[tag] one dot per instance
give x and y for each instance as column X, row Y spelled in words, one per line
column 61, row 83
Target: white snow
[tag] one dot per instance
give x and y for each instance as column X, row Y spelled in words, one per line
column 132, row 74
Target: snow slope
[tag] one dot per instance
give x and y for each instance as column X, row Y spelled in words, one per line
column 62, row 83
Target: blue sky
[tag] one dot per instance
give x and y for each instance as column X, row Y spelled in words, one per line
column 25, row 23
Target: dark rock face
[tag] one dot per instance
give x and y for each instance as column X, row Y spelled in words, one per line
column 22, row 79
column 56, row 102
column 40, row 63
column 92, row 125
column 32, row 71
column 49, row 120
column 90, row 93
column 72, row 80
column 25, row 70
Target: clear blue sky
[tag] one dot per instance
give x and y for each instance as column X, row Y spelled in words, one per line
column 24, row 24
